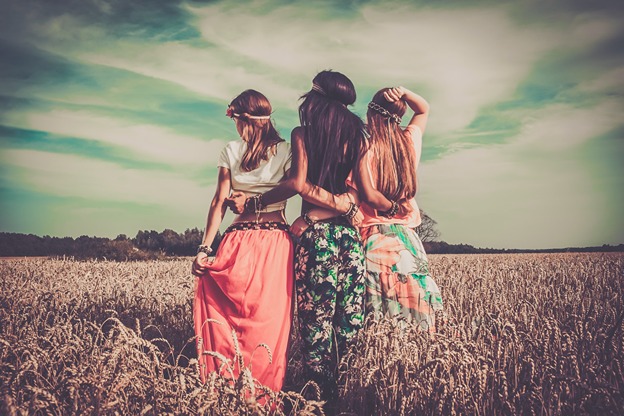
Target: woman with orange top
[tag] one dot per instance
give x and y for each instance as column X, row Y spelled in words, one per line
column 398, row 282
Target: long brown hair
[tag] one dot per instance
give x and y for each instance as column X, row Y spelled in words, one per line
column 259, row 134
column 392, row 149
column 333, row 135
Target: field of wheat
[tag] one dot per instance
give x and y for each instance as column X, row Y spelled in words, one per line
column 521, row 334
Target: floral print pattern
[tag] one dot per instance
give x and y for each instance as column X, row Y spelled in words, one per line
column 329, row 273
column 398, row 283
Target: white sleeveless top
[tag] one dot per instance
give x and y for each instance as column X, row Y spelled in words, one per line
column 262, row 179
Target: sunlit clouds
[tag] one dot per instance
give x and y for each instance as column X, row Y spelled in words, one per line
column 117, row 108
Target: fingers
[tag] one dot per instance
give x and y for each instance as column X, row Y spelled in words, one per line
column 236, row 202
column 197, row 270
column 199, row 265
column 394, row 94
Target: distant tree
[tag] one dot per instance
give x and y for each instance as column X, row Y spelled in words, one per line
column 427, row 230
column 148, row 241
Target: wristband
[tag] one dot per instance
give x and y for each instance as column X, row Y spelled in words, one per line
column 203, row 248
column 392, row 211
column 308, row 220
column 351, row 212
column 254, row 204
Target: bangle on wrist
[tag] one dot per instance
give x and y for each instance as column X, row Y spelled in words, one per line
column 392, row 211
column 351, row 212
column 204, row 248
column 254, row 204
column 308, row 220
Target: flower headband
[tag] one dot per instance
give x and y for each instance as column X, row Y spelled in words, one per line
column 231, row 114
column 374, row 106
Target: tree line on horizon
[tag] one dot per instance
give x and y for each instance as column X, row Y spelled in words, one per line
column 146, row 245
column 149, row 245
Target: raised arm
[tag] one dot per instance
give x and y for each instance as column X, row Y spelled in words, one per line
column 215, row 216
column 420, row 107
column 418, row 104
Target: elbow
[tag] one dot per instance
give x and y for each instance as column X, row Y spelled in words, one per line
column 296, row 185
column 369, row 198
column 375, row 201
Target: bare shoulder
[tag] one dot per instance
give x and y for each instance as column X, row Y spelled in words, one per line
column 296, row 139
column 296, row 134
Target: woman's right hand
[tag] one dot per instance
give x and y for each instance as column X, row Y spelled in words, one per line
column 199, row 264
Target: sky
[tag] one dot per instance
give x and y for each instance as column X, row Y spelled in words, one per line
column 112, row 112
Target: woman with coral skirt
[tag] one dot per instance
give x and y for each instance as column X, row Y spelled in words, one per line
column 244, row 296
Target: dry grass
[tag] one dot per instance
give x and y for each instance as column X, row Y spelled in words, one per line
column 523, row 334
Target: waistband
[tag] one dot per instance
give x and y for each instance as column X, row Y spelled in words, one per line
column 340, row 220
column 251, row 225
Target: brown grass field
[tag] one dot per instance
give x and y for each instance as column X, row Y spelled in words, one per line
column 522, row 334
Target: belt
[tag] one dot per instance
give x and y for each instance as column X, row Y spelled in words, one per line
column 252, row 225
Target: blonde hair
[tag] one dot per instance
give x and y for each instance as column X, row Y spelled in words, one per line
column 253, row 110
column 392, row 149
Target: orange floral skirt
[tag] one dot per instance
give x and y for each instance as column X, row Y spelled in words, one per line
column 398, row 283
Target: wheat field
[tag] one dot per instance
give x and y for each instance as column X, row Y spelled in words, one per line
column 521, row 334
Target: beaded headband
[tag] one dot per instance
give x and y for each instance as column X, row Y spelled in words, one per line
column 231, row 114
column 391, row 116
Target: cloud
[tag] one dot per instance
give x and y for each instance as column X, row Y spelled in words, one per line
column 533, row 191
column 144, row 141
column 519, row 92
column 609, row 83
column 376, row 45
column 75, row 176
column 456, row 54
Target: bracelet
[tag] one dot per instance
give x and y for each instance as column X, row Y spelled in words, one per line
column 308, row 220
column 392, row 211
column 203, row 248
column 254, row 204
column 351, row 212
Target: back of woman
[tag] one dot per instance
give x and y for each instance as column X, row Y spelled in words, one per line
column 329, row 262
column 247, row 288
column 398, row 283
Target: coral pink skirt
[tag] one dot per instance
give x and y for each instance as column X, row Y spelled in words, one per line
column 247, row 295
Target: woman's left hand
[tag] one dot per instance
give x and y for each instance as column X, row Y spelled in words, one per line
column 298, row 227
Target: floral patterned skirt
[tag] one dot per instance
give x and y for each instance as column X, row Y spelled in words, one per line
column 398, row 283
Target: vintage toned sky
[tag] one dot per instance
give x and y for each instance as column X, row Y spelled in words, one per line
column 112, row 111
